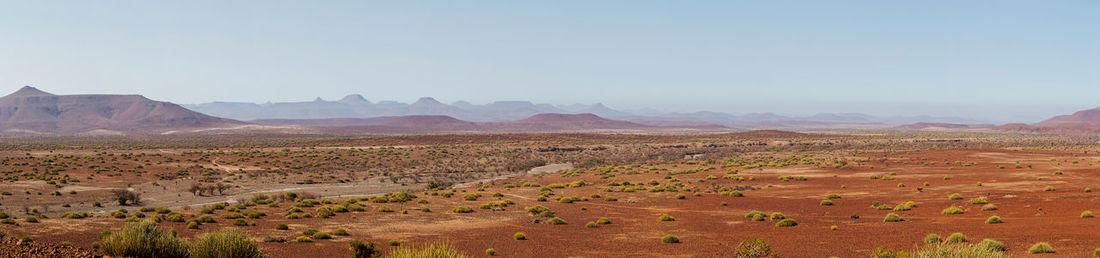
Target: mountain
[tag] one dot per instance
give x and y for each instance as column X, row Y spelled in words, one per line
column 1080, row 122
column 572, row 122
column 430, row 106
column 32, row 111
column 943, row 127
column 419, row 124
column 1085, row 122
column 356, row 106
column 1087, row 117
column 354, row 99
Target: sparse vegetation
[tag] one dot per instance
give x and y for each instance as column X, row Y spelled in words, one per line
column 955, row 238
column 952, row 210
column 993, row 220
column 892, row 217
column 1041, row 248
column 786, row 223
column 225, row 243
column 932, row 238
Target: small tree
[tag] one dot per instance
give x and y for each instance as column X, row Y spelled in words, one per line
column 124, row 196
column 195, row 189
column 221, row 188
column 364, row 250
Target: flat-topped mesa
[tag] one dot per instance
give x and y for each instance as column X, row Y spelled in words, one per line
column 33, row 111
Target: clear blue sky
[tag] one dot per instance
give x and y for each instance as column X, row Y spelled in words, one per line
column 999, row 60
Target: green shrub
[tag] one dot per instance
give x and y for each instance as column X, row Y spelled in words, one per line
column 665, row 217
column 1086, row 214
column 755, row 247
column 31, row 220
column 1096, row 252
column 539, row 210
column 955, row 196
column 957, row 250
column 340, row 232
column 282, row 226
column 555, row 221
column 826, row 203
column 1048, row 189
column 240, row 222
column 309, row 232
column 603, row 221
column 786, row 223
column 429, row 251
column 754, row 213
column 993, row 220
column 472, row 197
column 490, row 252
column 174, row 217
column 303, row 239
column 956, row 238
column 206, row 219
column 519, row 236
column 759, row 217
column 892, row 217
column 1041, row 248
column 952, row 210
column 364, row 250
column 883, row 252
column 979, row 200
column 932, row 238
column 990, row 245
column 395, row 243
column 463, row 209
column 832, row 196
column 321, row 235
column 142, row 239
column 670, row 239
column 989, row 207
column 225, row 243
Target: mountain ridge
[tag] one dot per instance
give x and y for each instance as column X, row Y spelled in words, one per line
column 33, row 111
column 357, row 106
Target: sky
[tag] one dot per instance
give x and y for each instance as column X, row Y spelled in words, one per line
column 1001, row 61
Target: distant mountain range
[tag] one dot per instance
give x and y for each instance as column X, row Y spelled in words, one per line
column 356, row 106
column 1080, row 122
column 546, row 122
column 32, row 111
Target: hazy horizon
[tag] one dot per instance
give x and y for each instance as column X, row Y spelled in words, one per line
column 1004, row 61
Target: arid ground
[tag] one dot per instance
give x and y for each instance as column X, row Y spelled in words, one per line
column 1039, row 186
